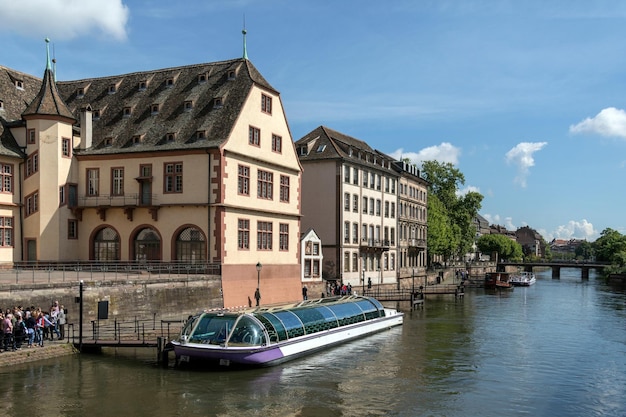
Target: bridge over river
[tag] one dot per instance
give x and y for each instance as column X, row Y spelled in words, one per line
column 556, row 266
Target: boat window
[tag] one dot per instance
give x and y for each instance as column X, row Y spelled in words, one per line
column 274, row 327
column 316, row 319
column 189, row 325
column 292, row 323
column 247, row 332
column 212, row 329
column 348, row 313
column 369, row 309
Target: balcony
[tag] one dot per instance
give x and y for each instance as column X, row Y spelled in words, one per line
column 370, row 245
column 417, row 243
column 127, row 202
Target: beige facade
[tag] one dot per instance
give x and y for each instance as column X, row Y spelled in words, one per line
column 412, row 221
column 192, row 164
column 350, row 199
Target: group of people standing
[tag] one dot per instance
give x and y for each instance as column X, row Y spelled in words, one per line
column 31, row 326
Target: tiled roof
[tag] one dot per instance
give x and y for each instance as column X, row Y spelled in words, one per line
column 48, row 102
column 324, row 143
column 14, row 101
column 201, row 84
column 169, row 89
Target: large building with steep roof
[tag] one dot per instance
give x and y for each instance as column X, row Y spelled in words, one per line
column 350, row 197
column 192, row 164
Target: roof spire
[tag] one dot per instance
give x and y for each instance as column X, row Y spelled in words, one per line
column 244, row 32
column 48, row 65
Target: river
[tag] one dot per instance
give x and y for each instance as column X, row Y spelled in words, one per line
column 557, row 348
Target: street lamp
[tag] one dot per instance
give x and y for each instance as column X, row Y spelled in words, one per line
column 413, row 278
column 257, row 295
column 363, row 282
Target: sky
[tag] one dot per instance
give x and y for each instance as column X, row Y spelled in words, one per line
column 527, row 99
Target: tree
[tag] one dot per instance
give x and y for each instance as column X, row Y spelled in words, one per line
column 504, row 247
column 584, row 251
column 444, row 181
column 442, row 239
column 610, row 246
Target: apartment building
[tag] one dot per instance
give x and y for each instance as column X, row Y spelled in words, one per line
column 350, row 199
column 187, row 164
column 412, row 220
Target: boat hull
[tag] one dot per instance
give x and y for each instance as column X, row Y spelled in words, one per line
column 215, row 355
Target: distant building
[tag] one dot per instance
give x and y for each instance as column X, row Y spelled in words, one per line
column 531, row 242
column 565, row 246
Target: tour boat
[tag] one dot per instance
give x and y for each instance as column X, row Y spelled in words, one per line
column 523, row 279
column 265, row 336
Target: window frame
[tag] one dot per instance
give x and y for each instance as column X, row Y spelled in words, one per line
column 173, row 179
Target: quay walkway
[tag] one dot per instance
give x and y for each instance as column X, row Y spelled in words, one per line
column 417, row 297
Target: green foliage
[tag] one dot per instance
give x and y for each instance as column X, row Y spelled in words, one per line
column 450, row 223
column 505, row 247
column 585, row 251
column 610, row 247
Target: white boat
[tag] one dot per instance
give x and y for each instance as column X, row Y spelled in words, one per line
column 264, row 336
column 523, row 279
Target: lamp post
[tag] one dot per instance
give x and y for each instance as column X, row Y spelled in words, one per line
column 257, row 295
column 363, row 282
column 413, row 279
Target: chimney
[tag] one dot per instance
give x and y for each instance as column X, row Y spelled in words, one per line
column 86, row 124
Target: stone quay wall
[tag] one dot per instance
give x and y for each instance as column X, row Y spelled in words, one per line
column 141, row 296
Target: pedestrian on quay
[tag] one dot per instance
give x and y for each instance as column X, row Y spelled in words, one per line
column 61, row 322
column 7, row 332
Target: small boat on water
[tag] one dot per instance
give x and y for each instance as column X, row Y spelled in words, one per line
column 523, row 279
column 264, row 336
column 498, row 280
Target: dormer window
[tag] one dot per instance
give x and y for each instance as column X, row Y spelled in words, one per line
column 112, row 89
column 303, row 150
column 136, row 140
column 232, row 75
column 127, row 111
column 170, row 137
column 154, row 109
column 202, row 78
column 169, row 82
column 143, row 85
column 107, row 142
column 217, row 102
column 1, row 105
column 201, row 134
column 321, row 148
column 95, row 115
column 80, row 93
column 19, row 84
column 188, row 105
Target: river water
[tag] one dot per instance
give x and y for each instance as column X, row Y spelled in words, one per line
column 557, row 348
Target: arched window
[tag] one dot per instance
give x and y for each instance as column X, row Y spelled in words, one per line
column 190, row 245
column 106, row 245
column 147, row 245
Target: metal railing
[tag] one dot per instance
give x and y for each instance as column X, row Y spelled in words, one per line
column 54, row 272
column 140, row 331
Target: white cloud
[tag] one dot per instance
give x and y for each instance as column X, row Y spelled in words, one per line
column 468, row 189
column 576, row 230
column 495, row 219
column 609, row 122
column 445, row 152
column 522, row 156
column 64, row 19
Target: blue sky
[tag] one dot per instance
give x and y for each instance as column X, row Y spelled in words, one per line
column 525, row 98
